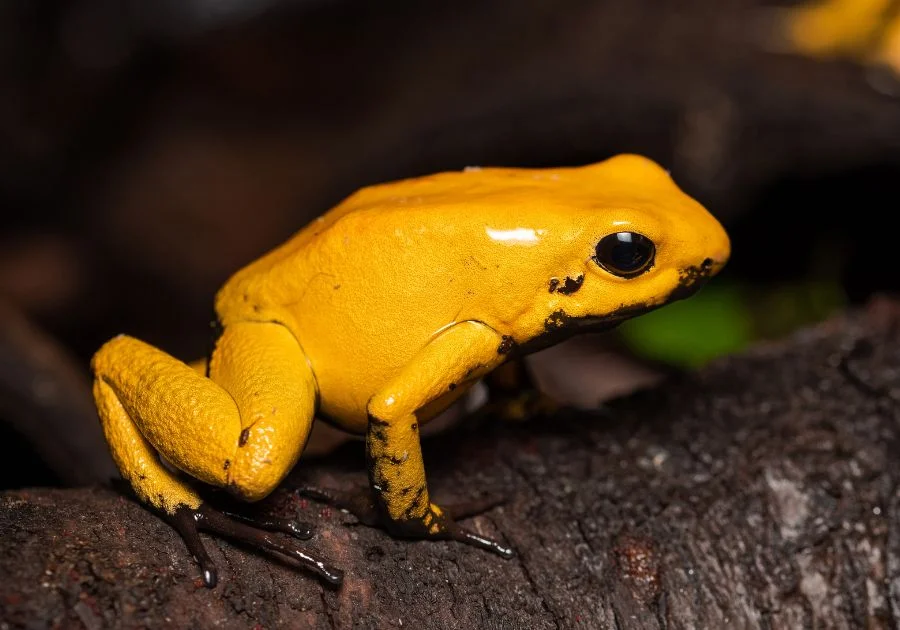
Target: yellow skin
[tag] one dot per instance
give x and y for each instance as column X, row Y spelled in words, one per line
column 382, row 312
column 865, row 30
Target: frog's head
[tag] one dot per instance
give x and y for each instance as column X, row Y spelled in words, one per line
column 640, row 243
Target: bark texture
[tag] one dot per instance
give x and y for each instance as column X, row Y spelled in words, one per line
column 759, row 492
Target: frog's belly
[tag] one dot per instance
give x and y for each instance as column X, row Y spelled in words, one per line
column 356, row 350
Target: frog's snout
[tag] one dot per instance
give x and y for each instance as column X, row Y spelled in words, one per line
column 692, row 277
column 711, row 266
column 718, row 252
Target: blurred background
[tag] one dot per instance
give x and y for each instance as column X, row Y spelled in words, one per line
column 150, row 149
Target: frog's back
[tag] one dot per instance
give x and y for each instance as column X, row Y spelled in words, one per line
column 433, row 193
column 367, row 285
column 435, row 200
column 474, row 196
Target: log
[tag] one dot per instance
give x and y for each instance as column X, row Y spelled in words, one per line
column 758, row 492
column 45, row 397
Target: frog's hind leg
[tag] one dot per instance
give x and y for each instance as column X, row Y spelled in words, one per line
column 242, row 429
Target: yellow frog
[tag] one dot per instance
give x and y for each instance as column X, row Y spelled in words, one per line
column 381, row 313
column 865, row 30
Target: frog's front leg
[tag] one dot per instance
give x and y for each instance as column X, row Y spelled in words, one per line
column 463, row 353
column 242, row 428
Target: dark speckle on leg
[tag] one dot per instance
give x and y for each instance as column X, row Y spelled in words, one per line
column 245, row 435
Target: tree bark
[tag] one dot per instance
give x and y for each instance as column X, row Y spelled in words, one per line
column 758, row 492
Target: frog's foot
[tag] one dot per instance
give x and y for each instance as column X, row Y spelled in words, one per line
column 522, row 405
column 189, row 522
column 513, row 394
column 437, row 523
column 358, row 502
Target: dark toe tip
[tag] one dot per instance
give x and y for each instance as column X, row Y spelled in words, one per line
column 303, row 531
column 210, row 578
column 335, row 577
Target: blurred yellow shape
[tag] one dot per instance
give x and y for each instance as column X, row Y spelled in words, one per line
column 838, row 27
column 867, row 31
column 888, row 52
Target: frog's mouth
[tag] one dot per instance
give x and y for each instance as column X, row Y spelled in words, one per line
column 560, row 325
column 690, row 280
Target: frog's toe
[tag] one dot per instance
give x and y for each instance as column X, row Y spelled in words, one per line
column 188, row 522
column 438, row 524
column 467, row 536
column 185, row 524
column 297, row 529
column 358, row 502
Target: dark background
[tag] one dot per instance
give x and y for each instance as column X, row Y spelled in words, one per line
column 150, row 149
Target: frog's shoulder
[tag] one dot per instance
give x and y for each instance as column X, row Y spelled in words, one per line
column 467, row 195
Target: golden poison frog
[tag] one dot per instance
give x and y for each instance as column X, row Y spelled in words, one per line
column 865, row 30
column 380, row 314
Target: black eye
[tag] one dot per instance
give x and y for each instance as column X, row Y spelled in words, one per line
column 625, row 254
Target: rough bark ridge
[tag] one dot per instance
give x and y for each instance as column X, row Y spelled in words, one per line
column 760, row 492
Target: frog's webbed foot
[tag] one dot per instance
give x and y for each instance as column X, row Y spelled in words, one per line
column 358, row 502
column 525, row 404
column 440, row 524
column 513, row 394
column 437, row 523
column 190, row 522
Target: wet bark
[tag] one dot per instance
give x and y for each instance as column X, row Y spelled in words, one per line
column 759, row 492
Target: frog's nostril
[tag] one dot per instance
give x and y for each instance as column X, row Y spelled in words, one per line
column 711, row 266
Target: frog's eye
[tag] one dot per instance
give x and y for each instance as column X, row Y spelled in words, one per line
column 625, row 254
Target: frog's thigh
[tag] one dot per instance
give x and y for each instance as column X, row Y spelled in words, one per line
column 245, row 432
column 464, row 352
column 268, row 376
column 136, row 458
